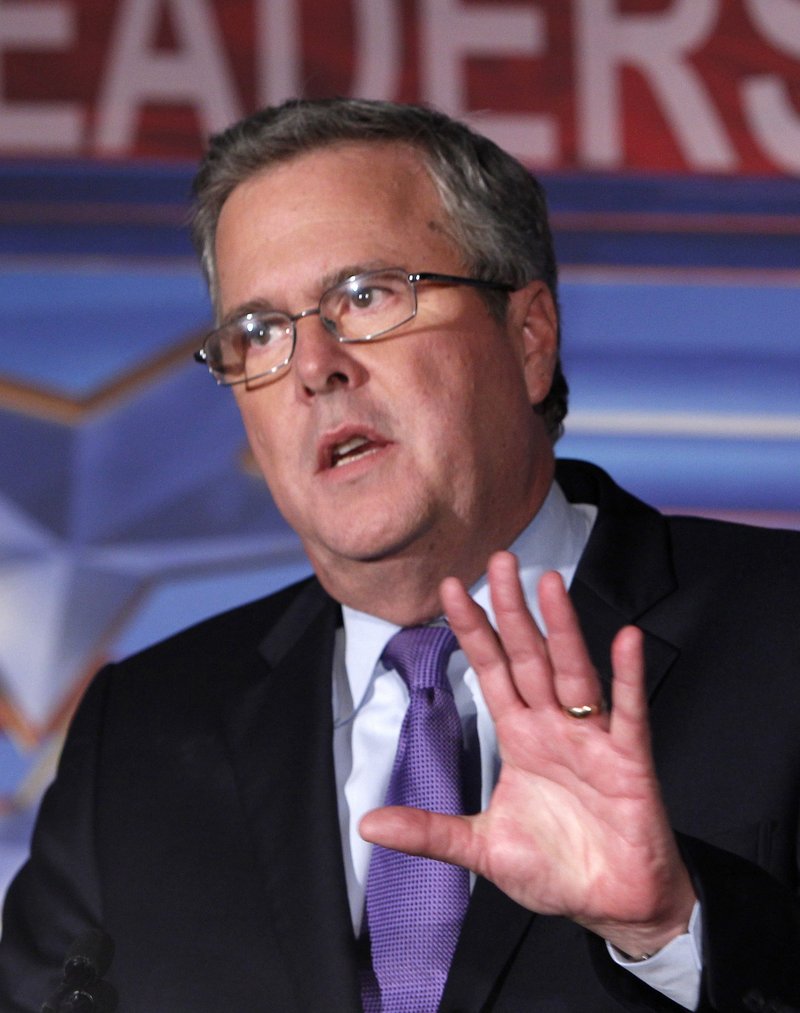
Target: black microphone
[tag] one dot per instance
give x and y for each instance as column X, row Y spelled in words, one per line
column 83, row 989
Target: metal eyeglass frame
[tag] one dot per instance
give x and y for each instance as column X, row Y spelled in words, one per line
column 412, row 279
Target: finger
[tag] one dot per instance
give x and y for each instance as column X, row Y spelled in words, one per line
column 629, row 717
column 521, row 638
column 575, row 677
column 480, row 644
column 418, row 832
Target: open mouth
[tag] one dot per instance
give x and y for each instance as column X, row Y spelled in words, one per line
column 347, row 444
column 352, row 450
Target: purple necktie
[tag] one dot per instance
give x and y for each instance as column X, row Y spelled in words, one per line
column 415, row 906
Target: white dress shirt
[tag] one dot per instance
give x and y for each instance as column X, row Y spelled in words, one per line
column 369, row 703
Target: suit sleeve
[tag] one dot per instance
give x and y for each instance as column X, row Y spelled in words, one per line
column 751, row 941
column 751, row 937
column 56, row 895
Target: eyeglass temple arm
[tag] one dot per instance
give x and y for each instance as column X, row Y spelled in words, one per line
column 455, row 279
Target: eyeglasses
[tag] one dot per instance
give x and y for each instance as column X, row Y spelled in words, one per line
column 360, row 308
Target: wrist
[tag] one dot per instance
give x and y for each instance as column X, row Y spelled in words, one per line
column 636, row 943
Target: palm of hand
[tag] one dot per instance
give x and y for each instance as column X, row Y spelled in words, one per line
column 569, row 829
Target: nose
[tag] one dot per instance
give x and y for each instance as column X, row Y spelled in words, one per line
column 321, row 364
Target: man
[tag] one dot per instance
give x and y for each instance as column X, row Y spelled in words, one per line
column 384, row 285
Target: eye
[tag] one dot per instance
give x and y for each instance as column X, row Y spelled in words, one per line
column 367, row 305
column 368, row 296
column 372, row 293
column 262, row 330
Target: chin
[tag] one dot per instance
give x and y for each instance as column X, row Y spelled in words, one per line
column 375, row 544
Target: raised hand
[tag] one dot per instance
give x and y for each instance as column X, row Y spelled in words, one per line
column 576, row 825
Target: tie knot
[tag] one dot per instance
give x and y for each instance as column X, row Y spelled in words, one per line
column 420, row 654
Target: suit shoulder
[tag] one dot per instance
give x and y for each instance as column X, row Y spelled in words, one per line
column 702, row 538
column 253, row 617
column 742, row 546
column 223, row 646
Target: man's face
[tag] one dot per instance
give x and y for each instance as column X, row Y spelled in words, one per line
column 421, row 446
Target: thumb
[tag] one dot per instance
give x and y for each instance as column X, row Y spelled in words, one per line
column 418, row 832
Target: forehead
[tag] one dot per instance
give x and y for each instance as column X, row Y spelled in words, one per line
column 381, row 171
column 360, row 204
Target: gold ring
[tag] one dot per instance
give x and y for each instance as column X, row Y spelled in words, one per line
column 585, row 711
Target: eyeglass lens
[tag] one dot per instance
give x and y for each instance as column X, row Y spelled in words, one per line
column 357, row 309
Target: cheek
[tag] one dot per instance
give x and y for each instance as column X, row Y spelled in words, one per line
column 467, row 388
column 446, row 427
column 269, row 441
column 487, row 414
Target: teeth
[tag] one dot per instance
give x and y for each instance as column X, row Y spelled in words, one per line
column 343, row 449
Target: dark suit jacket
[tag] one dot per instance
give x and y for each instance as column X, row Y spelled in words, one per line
column 194, row 816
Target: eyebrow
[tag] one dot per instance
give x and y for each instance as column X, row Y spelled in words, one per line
column 252, row 306
column 349, row 270
column 327, row 281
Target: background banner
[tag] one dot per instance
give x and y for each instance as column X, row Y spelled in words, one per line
column 671, row 85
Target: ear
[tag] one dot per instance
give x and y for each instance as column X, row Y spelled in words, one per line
column 533, row 317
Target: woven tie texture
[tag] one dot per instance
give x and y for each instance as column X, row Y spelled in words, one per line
column 415, row 906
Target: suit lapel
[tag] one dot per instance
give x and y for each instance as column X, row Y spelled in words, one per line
column 624, row 572
column 601, row 621
column 490, row 936
column 280, row 737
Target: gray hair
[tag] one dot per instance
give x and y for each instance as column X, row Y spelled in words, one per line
column 496, row 212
